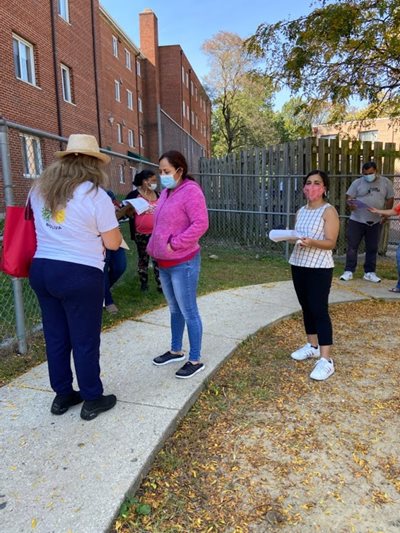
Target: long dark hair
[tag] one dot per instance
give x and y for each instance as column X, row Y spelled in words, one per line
column 177, row 160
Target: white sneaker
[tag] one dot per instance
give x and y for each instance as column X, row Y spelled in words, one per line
column 322, row 369
column 347, row 276
column 371, row 276
column 306, row 352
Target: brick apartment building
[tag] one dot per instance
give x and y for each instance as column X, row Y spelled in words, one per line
column 70, row 68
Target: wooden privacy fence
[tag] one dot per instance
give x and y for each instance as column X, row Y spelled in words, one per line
column 251, row 192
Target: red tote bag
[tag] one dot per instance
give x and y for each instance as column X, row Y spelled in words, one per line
column 19, row 241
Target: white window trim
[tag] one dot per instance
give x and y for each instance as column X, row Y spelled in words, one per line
column 115, row 46
column 128, row 59
column 141, row 140
column 64, row 3
column 31, row 144
column 31, row 59
column 129, row 97
column 138, row 68
column 131, row 140
column 121, row 174
column 67, row 91
column 117, row 91
column 119, row 133
column 140, row 105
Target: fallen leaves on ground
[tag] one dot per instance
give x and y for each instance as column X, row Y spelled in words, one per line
column 265, row 448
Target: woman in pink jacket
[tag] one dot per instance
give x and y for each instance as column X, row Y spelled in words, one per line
column 180, row 220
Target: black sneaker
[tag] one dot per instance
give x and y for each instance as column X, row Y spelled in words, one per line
column 62, row 402
column 189, row 369
column 168, row 357
column 92, row 408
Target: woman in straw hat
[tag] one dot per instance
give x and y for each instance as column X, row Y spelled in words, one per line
column 75, row 221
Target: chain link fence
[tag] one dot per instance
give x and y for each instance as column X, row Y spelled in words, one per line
column 24, row 153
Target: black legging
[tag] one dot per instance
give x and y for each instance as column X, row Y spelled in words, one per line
column 312, row 286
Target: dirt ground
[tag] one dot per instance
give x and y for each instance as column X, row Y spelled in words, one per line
column 267, row 449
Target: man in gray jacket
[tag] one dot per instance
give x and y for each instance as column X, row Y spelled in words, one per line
column 370, row 190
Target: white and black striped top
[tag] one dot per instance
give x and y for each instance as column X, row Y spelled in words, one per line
column 309, row 223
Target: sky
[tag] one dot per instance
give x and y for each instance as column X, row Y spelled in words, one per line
column 189, row 24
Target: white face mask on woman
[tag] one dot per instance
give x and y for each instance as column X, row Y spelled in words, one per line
column 153, row 186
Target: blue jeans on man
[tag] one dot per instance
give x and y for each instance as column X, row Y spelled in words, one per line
column 179, row 285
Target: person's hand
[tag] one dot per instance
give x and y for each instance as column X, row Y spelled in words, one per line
column 373, row 209
column 305, row 242
column 169, row 249
column 352, row 206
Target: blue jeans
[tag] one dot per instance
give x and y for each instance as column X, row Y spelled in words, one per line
column 398, row 266
column 114, row 267
column 71, row 299
column 179, row 285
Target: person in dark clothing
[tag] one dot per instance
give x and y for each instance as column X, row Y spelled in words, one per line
column 141, row 225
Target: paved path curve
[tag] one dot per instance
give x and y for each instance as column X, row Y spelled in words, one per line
column 65, row 475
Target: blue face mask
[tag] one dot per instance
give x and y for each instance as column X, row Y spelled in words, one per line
column 168, row 182
column 370, row 177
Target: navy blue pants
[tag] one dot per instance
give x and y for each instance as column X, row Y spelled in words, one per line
column 312, row 286
column 71, row 299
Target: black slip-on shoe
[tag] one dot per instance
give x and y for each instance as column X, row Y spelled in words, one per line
column 189, row 369
column 168, row 357
column 62, row 402
column 92, row 408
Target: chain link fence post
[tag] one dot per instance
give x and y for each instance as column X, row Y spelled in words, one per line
column 9, row 200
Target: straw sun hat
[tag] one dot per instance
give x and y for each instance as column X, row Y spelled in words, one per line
column 79, row 143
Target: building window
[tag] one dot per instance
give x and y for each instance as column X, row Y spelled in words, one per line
column 193, row 117
column 184, row 108
column 196, row 93
column 131, row 139
column 133, row 174
column 187, row 112
column 115, row 46
column 24, row 62
column 140, row 107
column 129, row 96
column 183, row 75
column 117, row 90
column 128, row 63
column 121, row 174
column 138, row 67
column 187, row 80
column 63, row 9
column 119, row 133
column 66, row 83
column 368, row 135
column 32, row 156
column 141, row 141
column 191, row 87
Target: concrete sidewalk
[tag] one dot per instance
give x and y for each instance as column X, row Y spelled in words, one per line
column 60, row 474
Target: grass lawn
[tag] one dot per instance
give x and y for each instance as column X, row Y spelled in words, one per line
column 222, row 268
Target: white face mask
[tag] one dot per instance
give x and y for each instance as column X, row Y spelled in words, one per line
column 370, row 177
column 153, row 186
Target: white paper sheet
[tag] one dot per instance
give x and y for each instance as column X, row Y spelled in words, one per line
column 278, row 235
column 140, row 204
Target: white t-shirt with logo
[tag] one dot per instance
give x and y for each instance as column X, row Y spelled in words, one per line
column 73, row 235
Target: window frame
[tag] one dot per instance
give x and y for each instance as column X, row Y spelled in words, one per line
column 140, row 105
column 115, row 46
column 67, row 70
column 31, row 65
column 120, row 139
column 65, row 4
column 138, row 68
column 129, row 98
column 128, row 59
column 121, row 174
column 33, row 144
column 131, row 138
column 117, row 90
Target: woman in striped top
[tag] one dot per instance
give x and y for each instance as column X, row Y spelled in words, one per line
column 312, row 269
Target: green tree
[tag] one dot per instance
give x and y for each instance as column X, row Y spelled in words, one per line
column 341, row 49
column 241, row 96
column 293, row 121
